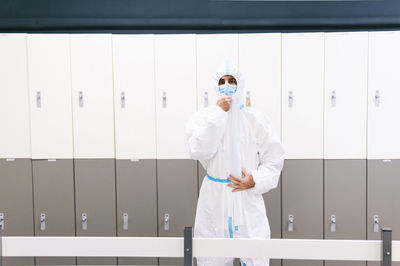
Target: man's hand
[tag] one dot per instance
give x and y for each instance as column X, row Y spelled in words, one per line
column 240, row 184
column 225, row 102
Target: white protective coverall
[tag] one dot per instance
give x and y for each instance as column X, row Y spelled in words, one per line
column 225, row 143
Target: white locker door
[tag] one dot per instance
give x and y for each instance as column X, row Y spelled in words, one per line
column 92, row 95
column 50, row 96
column 302, row 94
column 14, row 99
column 175, row 64
column 384, row 95
column 346, row 56
column 260, row 63
column 212, row 51
column 134, row 92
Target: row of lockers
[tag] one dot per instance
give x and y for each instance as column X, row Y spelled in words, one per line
column 331, row 95
column 316, row 199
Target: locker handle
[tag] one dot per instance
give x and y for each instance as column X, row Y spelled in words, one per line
column 205, row 99
column 1, row 221
column 376, row 223
column 290, row 99
column 84, row 221
column 125, row 225
column 333, row 99
column 122, row 99
column 80, row 99
column 38, row 99
column 248, row 101
column 166, row 222
column 42, row 221
column 333, row 223
column 291, row 222
column 377, row 98
column 164, row 99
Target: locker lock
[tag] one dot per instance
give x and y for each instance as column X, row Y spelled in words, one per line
column 166, row 222
column 125, row 225
column 205, row 99
column 38, row 99
column 80, row 99
column 42, row 221
column 333, row 223
column 1, row 221
column 164, row 99
column 248, row 102
column 122, row 99
column 84, row 221
column 290, row 99
column 377, row 98
column 376, row 223
column 333, row 99
column 291, row 222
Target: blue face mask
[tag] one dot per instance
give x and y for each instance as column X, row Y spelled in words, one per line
column 227, row 89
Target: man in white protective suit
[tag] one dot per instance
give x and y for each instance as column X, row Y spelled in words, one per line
column 243, row 157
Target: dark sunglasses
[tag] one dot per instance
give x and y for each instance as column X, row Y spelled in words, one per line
column 230, row 81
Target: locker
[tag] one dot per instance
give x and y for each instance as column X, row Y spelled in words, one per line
column 382, row 200
column 95, row 202
column 53, row 191
column 92, row 96
column 134, row 92
column 272, row 201
column 383, row 95
column 16, row 203
column 260, row 63
column 344, row 203
column 302, row 95
column 302, row 203
column 345, row 122
column 175, row 74
column 14, row 101
column 136, row 203
column 212, row 51
column 15, row 165
column 177, row 199
column 50, row 96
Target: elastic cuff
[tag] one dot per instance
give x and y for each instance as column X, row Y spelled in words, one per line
column 258, row 182
column 217, row 114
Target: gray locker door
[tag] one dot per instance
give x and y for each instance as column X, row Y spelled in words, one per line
column 95, row 197
column 273, row 207
column 137, row 197
column 201, row 173
column 302, row 197
column 53, row 192
column 177, row 198
column 16, row 202
column 383, row 199
column 345, row 199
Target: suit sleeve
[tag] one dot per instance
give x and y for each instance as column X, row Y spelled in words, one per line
column 204, row 132
column 271, row 154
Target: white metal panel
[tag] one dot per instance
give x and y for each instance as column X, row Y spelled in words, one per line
column 212, row 51
column 383, row 84
column 351, row 250
column 175, row 64
column 14, row 98
column 135, row 116
column 303, row 78
column 346, row 57
column 50, row 75
column 260, row 63
column 93, row 122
